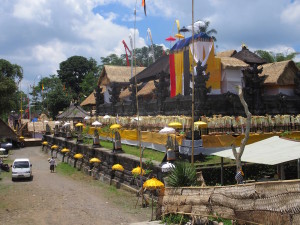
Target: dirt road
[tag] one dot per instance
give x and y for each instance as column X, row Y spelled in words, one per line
column 52, row 198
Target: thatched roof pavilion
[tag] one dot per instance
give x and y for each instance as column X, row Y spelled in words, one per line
column 89, row 101
column 74, row 112
column 6, row 131
column 249, row 57
column 227, row 53
column 232, row 63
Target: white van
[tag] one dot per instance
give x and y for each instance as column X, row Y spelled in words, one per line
column 21, row 168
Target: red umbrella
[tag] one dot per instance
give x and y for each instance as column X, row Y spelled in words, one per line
column 170, row 39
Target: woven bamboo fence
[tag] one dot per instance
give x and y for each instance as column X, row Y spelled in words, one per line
column 276, row 202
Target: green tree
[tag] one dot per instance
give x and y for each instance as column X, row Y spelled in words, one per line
column 72, row 71
column 10, row 76
column 205, row 29
column 114, row 59
column 271, row 57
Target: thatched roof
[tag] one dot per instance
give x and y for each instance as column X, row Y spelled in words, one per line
column 90, row 100
column 124, row 93
column 160, row 65
column 119, row 74
column 280, row 73
column 6, row 131
column 147, row 89
column 232, row 63
column 249, row 57
column 74, row 112
column 227, row 53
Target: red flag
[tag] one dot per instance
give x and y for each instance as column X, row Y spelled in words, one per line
column 144, row 5
column 172, row 75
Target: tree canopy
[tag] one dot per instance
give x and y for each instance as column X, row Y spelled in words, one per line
column 271, row 57
column 72, row 71
column 10, row 76
column 205, row 29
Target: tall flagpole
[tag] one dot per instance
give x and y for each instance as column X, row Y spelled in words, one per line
column 193, row 86
column 137, row 104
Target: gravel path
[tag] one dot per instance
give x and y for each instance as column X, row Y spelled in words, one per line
column 52, row 198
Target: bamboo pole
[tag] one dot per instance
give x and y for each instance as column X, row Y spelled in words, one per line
column 193, row 86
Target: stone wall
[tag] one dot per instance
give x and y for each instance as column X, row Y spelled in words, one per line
column 108, row 158
column 276, row 202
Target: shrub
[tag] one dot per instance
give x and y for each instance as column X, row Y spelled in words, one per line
column 182, row 175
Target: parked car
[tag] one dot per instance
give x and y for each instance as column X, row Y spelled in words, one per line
column 21, row 168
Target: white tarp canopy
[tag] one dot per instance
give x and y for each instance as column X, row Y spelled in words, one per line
column 271, row 151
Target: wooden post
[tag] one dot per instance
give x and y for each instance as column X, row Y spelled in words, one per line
column 222, row 171
column 282, row 174
column 298, row 168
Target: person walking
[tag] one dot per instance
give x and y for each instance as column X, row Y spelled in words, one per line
column 52, row 164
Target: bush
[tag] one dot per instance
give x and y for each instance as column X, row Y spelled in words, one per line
column 175, row 219
column 182, row 175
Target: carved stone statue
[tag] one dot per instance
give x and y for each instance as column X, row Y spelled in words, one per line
column 99, row 97
column 161, row 92
column 96, row 142
column 68, row 132
column 297, row 83
column 56, row 131
column 254, row 88
column 115, row 94
column 48, row 129
column 117, row 141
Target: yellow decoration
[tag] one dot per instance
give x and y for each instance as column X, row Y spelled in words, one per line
column 153, row 184
column 79, row 125
column 138, row 171
column 95, row 160
column 200, row 124
column 54, row 147
column 78, row 156
column 175, row 125
column 21, row 137
column 44, row 143
column 178, row 71
column 115, row 126
column 179, row 36
column 65, row 150
column 118, row 167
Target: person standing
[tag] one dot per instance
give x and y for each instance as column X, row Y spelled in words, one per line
column 52, row 164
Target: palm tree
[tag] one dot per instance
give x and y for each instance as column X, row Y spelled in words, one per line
column 204, row 28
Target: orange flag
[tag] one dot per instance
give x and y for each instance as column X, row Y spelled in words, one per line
column 144, row 5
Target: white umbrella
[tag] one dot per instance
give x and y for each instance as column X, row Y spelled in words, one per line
column 87, row 118
column 46, row 121
column 167, row 167
column 106, row 117
column 66, row 124
column 136, row 119
column 56, row 122
column 2, row 149
column 96, row 123
column 167, row 130
column 8, row 144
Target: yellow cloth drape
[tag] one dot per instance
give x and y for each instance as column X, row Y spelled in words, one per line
column 178, row 71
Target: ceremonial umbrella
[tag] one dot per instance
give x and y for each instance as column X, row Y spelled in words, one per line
column 170, row 39
column 56, row 122
column 138, row 171
column 184, row 29
column 179, row 36
column 54, row 147
column 167, row 167
column 106, row 117
column 95, row 160
column 79, row 124
column 175, row 125
column 167, row 130
column 66, row 124
column 87, row 118
column 200, row 124
column 44, row 143
column 115, row 126
column 96, row 123
column 153, row 184
column 65, row 150
column 118, row 167
column 78, row 156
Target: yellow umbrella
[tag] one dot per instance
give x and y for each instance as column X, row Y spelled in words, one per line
column 138, row 171
column 200, row 124
column 44, row 143
column 54, row 147
column 118, row 167
column 153, row 184
column 95, row 160
column 115, row 126
column 78, row 156
column 79, row 125
column 175, row 125
column 65, row 150
column 179, row 36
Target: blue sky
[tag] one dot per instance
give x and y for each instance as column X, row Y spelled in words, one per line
column 39, row 34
